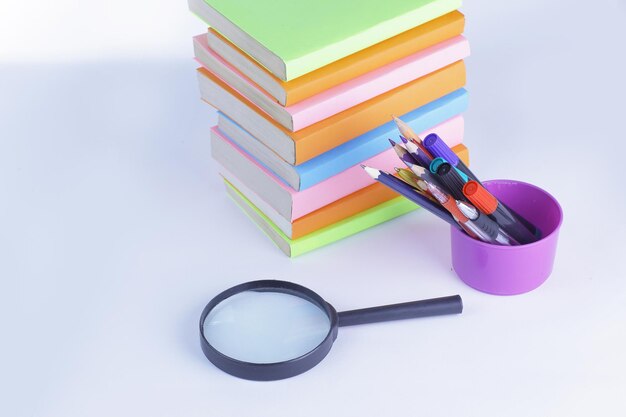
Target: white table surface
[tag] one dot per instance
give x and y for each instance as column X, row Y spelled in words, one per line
column 115, row 232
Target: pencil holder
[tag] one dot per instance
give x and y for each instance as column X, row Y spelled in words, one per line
column 509, row 270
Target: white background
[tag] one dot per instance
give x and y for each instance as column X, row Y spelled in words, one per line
column 115, row 230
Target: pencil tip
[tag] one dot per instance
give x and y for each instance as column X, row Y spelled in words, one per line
column 363, row 166
column 403, row 139
column 372, row 172
column 392, row 142
column 418, row 170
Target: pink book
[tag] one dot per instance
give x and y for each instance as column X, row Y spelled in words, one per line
column 292, row 204
column 342, row 96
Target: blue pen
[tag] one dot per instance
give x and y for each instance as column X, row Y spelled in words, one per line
column 438, row 148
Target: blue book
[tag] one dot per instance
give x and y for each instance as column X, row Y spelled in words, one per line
column 357, row 150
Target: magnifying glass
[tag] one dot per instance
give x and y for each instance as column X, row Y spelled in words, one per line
column 267, row 330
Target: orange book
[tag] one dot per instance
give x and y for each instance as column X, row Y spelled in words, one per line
column 307, row 143
column 345, row 69
column 352, row 204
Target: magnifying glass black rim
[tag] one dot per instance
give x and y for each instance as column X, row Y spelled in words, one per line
column 276, row 370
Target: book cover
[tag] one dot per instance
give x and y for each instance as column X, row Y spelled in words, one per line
column 306, row 35
column 295, row 204
column 346, row 156
column 327, row 235
column 343, row 96
column 343, row 208
column 340, row 128
column 345, row 69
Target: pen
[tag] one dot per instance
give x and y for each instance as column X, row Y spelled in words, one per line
column 437, row 147
column 486, row 225
column 508, row 221
column 450, row 204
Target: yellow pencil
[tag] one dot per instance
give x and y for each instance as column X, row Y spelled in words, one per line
column 414, row 181
column 406, row 130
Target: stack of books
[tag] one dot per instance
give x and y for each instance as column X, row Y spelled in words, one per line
column 306, row 91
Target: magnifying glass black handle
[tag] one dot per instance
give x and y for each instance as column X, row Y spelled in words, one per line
column 414, row 309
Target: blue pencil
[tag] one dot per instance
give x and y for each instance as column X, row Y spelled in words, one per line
column 411, row 193
column 402, row 153
column 418, row 154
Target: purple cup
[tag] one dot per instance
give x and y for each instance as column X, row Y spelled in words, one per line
column 509, row 270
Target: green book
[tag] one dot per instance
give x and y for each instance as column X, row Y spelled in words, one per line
column 293, row 37
column 329, row 234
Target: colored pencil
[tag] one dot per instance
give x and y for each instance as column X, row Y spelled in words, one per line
column 438, row 181
column 416, row 152
column 409, row 192
column 407, row 133
column 405, row 130
column 423, row 173
column 402, row 153
column 410, row 178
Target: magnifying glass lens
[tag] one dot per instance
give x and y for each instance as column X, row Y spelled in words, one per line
column 268, row 329
column 265, row 327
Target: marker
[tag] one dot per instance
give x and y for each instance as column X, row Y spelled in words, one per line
column 436, row 163
column 451, row 181
column 438, row 148
column 411, row 193
column 486, row 225
column 509, row 221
